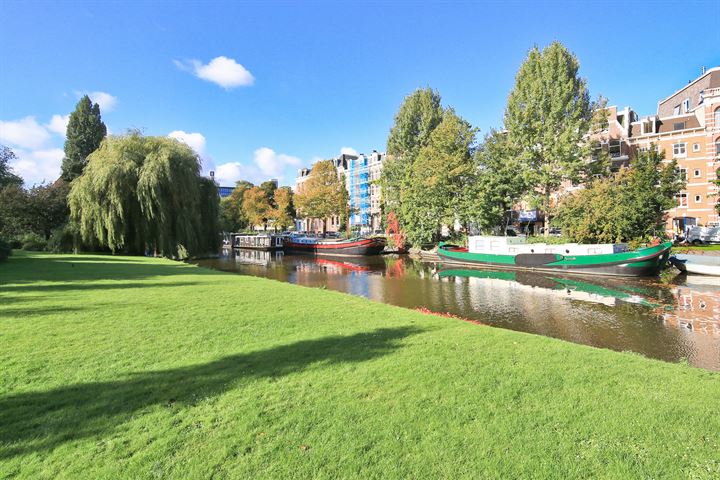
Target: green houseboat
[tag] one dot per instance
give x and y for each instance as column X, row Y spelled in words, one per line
column 595, row 259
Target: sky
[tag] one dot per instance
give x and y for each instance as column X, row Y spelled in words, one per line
column 261, row 89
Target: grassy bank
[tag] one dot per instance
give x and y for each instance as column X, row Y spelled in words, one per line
column 135, row 368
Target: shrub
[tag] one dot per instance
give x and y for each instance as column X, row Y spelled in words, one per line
column 5, row 250
column 61, row 240
column 32, row 242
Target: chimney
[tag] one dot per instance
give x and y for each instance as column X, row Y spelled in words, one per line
column 703, row 69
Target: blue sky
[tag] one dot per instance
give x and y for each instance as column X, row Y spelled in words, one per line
column 296, row 81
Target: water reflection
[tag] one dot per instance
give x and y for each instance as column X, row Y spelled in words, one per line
column 669, row 321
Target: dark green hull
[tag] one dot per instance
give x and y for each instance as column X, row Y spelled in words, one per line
column 642, row 262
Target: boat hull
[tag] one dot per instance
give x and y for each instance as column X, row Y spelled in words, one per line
column 643, row 262
column 350, row 248
column 697, row 264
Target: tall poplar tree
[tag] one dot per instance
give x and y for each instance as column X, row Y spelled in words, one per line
column 548, row 117
column 85, row 131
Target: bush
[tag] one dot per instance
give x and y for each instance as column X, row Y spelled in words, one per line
column 33, row 242
column 61, row 240
column 5, row 250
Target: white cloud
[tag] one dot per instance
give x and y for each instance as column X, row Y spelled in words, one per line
column 58, row 124
column 24, row 133
column 38, row 166
column 228, row 173
column 348, row 151
column 106, row 101
column 195, row 140
column 274, row 164
column 222, row 70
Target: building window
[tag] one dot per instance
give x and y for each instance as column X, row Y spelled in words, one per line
column 717, row 117
column 686, row 105
column 682, row 200
column 697, row 173
column 698, row 198
column 676, row 110
column 679, row 149
column 683, row 173
column 679, row 126
column 696, row 147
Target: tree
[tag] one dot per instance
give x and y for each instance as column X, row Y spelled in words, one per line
column 548, row 117
column 442, row 169
column 631, row 205
column 498, row 184
column 140, row 194
column 717, row 184
column 269, row 187
column 284, row 212
column 85, row 131
column 256, row 207
column 231, row 210
column 48, row 208
column 419, row 114
column 323, row 194
column 7, row 176
column 14, row 212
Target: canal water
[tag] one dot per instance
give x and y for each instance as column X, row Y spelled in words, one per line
column 677, row 319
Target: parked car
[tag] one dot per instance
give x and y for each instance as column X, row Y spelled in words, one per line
column 702, row 235
column 554, row 232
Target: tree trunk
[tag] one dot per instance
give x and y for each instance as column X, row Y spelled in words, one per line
column 547, row 212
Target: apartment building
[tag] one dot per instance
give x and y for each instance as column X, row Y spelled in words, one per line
column 686, row 126
column 360, row 173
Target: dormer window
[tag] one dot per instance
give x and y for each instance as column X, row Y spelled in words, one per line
column 686, row 105
column 676, row 110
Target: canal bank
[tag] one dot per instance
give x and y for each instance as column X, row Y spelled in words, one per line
column 129, row 367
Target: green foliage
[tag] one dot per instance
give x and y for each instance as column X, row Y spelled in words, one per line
column 442, row 169
column 420, row 113
column 232, row 215
column 62, row 239
column 141, row 194
column 48, row 207
column 7, row 176
column 323, row 194
column 85, row 131
column 284, row 213
column 717, row 184
column 548, row 117
column 5, row 250
column 498, row 183
column 629, row 206
column 32, row 242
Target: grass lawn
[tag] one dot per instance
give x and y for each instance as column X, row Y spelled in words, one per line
column 123, row 367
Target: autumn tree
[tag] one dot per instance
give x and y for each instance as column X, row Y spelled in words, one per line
column 548, row 117
column 323, row 194
column 140, row 194
column 85, row 131
column 256, row 207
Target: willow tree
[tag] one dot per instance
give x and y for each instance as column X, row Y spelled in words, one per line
column 145, row 194
column 548, row 118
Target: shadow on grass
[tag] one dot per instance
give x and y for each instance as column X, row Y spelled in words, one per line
column 64, row 287
column 25, row 312
column 30, row 268
column 36, row 421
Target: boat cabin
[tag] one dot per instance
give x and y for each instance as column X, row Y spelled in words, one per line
column 517, row 245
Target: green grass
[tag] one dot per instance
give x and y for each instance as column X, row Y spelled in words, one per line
column 696, row 248
column 117, row 367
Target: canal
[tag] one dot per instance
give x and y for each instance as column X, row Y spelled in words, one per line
column 675, row 320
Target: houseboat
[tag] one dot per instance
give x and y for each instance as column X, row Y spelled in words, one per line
column 594, row 259
column 265, row 241
column 323, row 246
